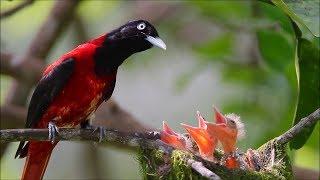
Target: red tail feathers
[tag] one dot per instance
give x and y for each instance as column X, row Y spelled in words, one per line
column 37, row 160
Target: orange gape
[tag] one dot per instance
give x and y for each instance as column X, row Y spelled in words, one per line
column 204, row 141
column 226, row 135
column 225, row 130
column 172, row 138
column 218, row 116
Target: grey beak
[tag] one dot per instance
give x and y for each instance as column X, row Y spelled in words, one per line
column 156, row 42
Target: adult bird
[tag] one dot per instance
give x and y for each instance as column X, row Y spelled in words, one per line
column 74, row 86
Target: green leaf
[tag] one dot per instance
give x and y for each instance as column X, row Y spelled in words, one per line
column 308, row 11
column 304, row 13
column 308, row 71
column 276, row 15
column 275, row 49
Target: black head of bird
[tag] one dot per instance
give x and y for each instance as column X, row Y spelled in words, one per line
column 135, row 36
column 119, row 44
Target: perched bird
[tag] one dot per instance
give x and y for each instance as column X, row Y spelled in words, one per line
column 73, row 87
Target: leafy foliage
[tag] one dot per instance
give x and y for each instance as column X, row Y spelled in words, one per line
column 305, row 15
column 309, row 81
column 276, row 50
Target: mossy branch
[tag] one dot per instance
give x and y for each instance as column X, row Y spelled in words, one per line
column 295, row 130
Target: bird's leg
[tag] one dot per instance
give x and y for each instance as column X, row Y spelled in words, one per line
column 53, row 130
column 87, row 125
column 102, row 132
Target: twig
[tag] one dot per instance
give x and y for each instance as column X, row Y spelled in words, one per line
column 201, row 169
column 58, row 19
column 147, row 140
column 15, row 9
column 304, row 122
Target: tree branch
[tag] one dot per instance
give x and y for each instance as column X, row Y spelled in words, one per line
column 15, row 9
column 148, row 140
column 201, row 169
column 61, row 13
column 304, row 122
column 30, row 70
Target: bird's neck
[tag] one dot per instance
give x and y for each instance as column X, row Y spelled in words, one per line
column 110, row 54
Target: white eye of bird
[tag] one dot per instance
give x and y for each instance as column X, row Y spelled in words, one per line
column 141, row 26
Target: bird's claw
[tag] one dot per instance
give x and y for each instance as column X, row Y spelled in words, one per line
column 102, row 132
column 101, row 129
column 53, row 130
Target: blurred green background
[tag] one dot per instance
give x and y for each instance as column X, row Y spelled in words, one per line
column 237, row 55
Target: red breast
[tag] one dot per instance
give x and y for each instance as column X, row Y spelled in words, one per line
column 82, row 94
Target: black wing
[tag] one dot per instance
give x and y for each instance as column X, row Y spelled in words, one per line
column 46, row 90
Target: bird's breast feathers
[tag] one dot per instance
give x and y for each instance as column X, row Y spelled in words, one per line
column 82, row 94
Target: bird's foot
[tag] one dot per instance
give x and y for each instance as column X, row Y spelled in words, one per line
column 86, row 125
column 53, row 130
column 101, row 129
column 102, row 132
